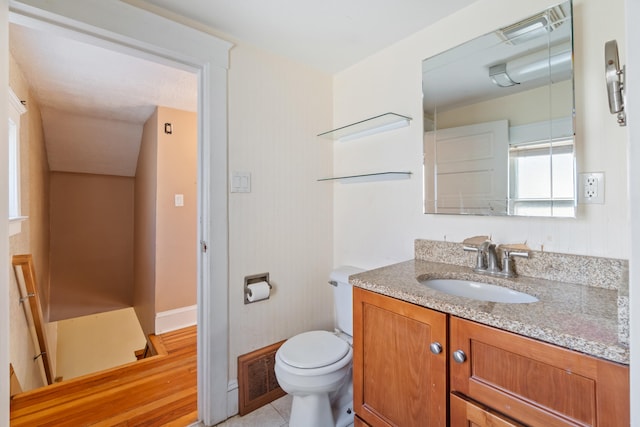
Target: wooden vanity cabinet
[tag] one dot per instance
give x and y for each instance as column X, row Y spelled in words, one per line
column 398, row 380
column 466, row 412
column 505, row 380
column 535, row 383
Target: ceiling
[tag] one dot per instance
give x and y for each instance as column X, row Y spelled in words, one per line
column 95, row 101
column 328, row 35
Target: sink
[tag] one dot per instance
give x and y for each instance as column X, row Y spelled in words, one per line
column 479, row 291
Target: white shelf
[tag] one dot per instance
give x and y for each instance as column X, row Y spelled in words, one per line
column 369, row 177
column 382, row 123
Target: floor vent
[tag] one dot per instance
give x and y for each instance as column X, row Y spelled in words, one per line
column 257, row 384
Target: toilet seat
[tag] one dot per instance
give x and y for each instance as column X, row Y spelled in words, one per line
column 312, row 350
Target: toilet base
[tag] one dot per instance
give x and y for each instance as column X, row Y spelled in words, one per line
column 313, row 410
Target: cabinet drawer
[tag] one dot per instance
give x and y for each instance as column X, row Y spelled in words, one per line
column 537, row 383
column 358, row 422
column 467, row 413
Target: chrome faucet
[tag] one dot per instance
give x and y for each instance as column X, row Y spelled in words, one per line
column 487, row 258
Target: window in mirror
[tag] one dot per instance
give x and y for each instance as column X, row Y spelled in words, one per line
column 542, row 181
column 521, row 77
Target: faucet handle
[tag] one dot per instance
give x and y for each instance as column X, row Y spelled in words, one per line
column 519, row 250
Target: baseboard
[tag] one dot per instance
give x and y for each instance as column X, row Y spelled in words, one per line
column 171, row 320
column 232, row 398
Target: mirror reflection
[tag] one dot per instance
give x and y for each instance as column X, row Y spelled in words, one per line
column 498, row 118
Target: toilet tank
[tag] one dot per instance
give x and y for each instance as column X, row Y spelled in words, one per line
column 343, row 297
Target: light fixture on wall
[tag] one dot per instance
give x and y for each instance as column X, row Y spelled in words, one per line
column 614, row 76
column 553, row 63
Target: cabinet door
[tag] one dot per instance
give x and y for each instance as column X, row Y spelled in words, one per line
column 398, row 381
column 358, row 422
column 536, row 383
column 467, row 413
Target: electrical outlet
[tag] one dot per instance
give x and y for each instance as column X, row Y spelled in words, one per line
column 591, row 187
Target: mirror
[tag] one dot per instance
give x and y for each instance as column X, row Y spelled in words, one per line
column 499, row 122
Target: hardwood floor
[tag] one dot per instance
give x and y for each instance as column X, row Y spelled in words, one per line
column 157, row 391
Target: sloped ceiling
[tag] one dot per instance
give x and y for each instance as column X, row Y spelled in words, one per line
column 95, row 101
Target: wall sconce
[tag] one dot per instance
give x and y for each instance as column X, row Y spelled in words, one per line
column 614, row 76
column 168, row 128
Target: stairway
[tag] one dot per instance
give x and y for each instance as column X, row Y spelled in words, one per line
column 160, row 390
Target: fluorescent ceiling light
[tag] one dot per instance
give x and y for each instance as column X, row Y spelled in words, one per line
column 553, row 63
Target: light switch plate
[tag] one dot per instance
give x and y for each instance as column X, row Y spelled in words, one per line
column 240, row 182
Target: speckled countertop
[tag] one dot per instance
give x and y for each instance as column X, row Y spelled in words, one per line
column 575, row 316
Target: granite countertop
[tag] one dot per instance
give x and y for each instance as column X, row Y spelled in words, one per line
column 574, row 316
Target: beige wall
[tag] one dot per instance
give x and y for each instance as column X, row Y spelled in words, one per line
column 144, row 298
column 522, row 108
column 34, row 235
column 176, row 227
column 166, row 235
column 283, row 226
column 91, row 243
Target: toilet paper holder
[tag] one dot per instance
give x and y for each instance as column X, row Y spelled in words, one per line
column 256, row 278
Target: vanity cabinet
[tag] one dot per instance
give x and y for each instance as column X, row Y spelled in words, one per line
column 398, row 380
column 536, row 383
column 497, row 378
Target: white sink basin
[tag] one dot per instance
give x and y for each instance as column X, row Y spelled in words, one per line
column 479, row 291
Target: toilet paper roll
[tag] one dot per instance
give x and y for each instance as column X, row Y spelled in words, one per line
column 258, row 291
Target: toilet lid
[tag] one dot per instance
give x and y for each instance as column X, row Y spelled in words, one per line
column 313, row 349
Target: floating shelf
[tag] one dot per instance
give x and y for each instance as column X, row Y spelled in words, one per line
column 373, row 125
column 368, row 177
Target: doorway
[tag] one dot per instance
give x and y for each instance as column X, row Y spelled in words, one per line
column 117, row 26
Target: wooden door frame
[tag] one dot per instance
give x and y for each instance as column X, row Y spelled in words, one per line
column 128, row 29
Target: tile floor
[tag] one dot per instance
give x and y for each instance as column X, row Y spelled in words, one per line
column 275, row 414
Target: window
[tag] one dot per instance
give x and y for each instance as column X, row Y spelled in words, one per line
column 16, row 109
column 541, row 168
column 542, row 177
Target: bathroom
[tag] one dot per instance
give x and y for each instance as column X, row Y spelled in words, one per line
column 299, row 229
column 375, row 224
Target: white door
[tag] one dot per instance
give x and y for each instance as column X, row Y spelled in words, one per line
column 470, row 165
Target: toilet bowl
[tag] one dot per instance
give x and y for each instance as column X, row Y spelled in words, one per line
column 315, row 367
column 312, row 367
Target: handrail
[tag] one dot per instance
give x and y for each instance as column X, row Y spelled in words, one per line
column 26, row 275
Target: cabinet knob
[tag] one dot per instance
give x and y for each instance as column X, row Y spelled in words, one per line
column 435, row 347
column 459, row 356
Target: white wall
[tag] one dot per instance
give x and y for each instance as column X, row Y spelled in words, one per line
column 283, row 226
column 4, row 213
column 375, row 223
column 632, row 59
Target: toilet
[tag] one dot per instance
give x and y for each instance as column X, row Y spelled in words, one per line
column 315, row 367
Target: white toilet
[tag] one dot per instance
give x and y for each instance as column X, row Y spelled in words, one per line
column 315, row 367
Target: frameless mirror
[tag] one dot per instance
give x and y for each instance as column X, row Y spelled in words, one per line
column 499, row 121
